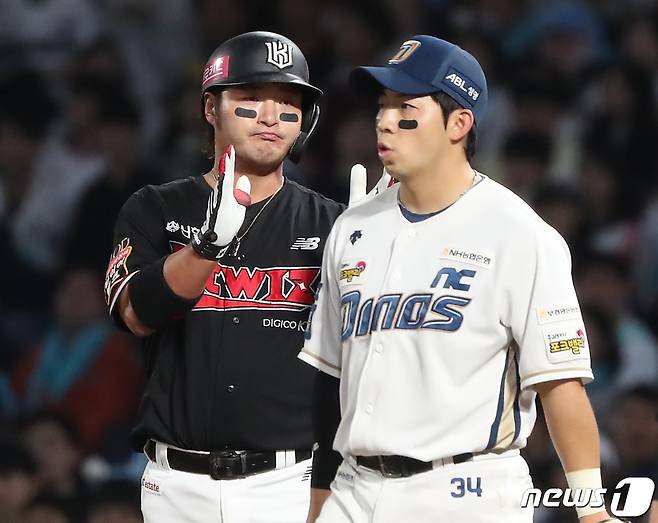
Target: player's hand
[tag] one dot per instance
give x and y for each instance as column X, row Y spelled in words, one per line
column 224, row 216
column 358, row 181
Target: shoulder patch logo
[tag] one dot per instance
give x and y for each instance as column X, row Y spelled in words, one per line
column 564, row 343
column 117, row 269
column 560, row 313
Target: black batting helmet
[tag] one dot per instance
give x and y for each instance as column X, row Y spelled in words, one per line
column 264, row 57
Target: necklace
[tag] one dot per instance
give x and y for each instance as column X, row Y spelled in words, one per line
column 238, row 239
column 476, row 176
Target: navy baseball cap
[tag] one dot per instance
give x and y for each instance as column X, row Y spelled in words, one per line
column 426, row 64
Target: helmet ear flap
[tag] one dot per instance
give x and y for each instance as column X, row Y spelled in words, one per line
column 309, row 122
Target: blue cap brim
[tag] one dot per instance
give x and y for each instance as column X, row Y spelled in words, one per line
column 371, row 81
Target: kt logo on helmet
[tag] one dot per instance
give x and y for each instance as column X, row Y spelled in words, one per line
column 279, row 54
column 272, row 288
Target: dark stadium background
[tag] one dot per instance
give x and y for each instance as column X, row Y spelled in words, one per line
column 100, row 97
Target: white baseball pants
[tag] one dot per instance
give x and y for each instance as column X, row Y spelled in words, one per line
column 277, row 496
column 488, row 489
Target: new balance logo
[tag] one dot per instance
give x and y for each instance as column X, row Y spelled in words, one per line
column 306, row 244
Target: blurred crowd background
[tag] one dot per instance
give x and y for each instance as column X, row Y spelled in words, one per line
column 101, row 97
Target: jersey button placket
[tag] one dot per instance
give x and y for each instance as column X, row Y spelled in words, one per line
column 236, row 320
column 394, row 276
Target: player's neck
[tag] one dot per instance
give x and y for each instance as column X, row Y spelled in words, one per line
column 262, row 185
column 437, row 188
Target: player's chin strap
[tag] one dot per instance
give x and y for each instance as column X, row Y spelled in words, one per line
column 309, row 122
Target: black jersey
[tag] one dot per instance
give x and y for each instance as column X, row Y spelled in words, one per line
column 226, row 375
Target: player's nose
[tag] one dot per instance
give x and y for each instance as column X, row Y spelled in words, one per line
column 385, row 121
column 267, row 113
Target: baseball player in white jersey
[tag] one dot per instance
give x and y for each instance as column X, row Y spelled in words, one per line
column 446, row 305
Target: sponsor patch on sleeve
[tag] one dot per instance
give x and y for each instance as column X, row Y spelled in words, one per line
column 117, row 269
column 566, row 343
column 558, row 313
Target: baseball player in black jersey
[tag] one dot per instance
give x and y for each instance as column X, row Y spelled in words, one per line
column 220, row 291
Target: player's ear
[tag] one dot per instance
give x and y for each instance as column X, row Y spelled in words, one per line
column 210, row 108
column 460, row 122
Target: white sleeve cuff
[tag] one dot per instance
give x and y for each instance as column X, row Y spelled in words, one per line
column 319, row 363
column 584, row 373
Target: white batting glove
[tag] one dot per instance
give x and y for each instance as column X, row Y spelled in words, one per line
column 358, row 185
column 224, row 216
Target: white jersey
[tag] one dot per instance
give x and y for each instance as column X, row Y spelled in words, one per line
column 438, row 329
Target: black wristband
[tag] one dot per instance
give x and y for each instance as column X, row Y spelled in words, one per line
column 325, row 465
column 153, row 300
column 203, row 245
column 326, row 418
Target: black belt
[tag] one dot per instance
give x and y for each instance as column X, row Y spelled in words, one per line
column 222, row 464
column 401, row 466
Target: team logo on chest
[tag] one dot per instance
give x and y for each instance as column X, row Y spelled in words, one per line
column 266, row 288
column 407, row 312
column 279, row 54
column 270, row 288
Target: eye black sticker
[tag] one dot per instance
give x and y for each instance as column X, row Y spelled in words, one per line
column 245, row 113
column 408, row 124
column 289, row 117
